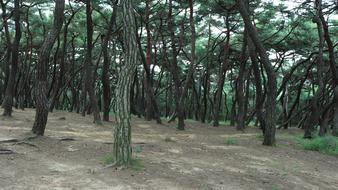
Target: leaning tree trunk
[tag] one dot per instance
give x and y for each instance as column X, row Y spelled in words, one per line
column 89, row 84
column 270, row 128
column 315, row 110
column 41, row 114
column 8, row 100
column 122, row 134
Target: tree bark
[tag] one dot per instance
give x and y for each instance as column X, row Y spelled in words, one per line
column 105, row 69
column 122, row 135
column 221, row 76
column 89, row 72
column 9, row 94
column 270, row 128
column 41, row 114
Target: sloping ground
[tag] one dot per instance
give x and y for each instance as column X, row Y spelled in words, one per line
column 71, row 156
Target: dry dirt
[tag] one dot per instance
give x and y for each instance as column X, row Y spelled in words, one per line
column 71, row 156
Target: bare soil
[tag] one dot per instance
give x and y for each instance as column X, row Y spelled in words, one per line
column 71, row 156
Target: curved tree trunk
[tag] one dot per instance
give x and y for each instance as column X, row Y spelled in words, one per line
column 270, row 129
column 41, row 114
column 122, row 134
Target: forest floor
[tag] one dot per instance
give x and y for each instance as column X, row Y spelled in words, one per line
column 72, row 153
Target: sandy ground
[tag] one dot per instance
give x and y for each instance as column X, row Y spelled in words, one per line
column 71, row 156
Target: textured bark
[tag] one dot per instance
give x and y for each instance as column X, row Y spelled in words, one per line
column 41, row 114
column 8, row 53
column 122, row 134
column 9, row 94
column 270, row 128
column 89, row 72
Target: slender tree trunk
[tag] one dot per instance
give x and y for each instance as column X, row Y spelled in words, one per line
column 105, row 70
column 8, row 100
column 41, row 114
column 315, row 110
column 240, row 86
column 89, row 72
column 122, row 135
column 221, row 76
column 270, row 128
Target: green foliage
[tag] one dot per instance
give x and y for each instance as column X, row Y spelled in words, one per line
column 136, row 164
column 326, row 145
column 275, row 187
column 108, row 159
column 260, row 136
column 137, row 149
column 230, row 141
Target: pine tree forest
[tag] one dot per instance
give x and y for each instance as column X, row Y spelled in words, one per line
column 169, row 94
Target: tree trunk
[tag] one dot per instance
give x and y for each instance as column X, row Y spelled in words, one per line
column 89, row 84
column 8, row 100
column 270, row 128
column 221, row 79
column 122, row 135
column 240, row 86
column 41, row 114
column 105, row 69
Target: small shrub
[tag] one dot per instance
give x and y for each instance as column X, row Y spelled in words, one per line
column 275, row 187
column 327, row 145
column 137, row 149
column 108, row 159
column 137, row 164
column 168, row 139
column 230, row 141
column 260, row 136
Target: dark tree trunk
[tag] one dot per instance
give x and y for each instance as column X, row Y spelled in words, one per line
column 105, row 70
column 240, row 86
column 221, row 76
column 9, row 94
column 89, row 72
column 270, row 128
column 41, row 114
column 258, row 83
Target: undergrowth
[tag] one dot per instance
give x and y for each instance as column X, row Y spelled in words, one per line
column 326, row 145
column 230, row 141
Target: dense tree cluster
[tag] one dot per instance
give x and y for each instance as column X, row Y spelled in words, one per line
column 261, row 63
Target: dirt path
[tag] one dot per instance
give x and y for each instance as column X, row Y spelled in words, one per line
column 72, row 153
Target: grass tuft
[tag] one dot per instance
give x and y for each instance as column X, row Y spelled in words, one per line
column 326, row 145
column 230, row 141
column 168, row 139
column 136, row 164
